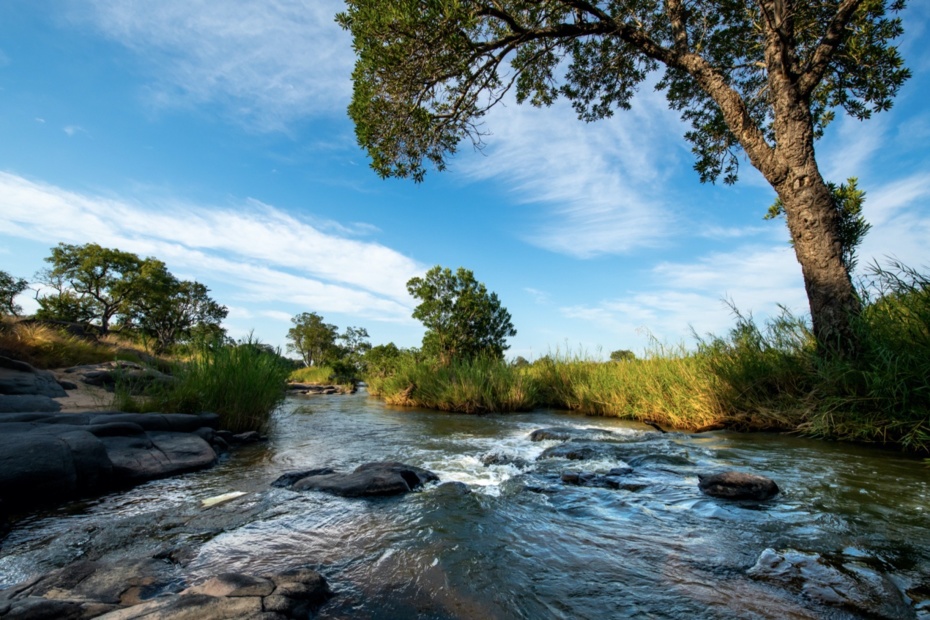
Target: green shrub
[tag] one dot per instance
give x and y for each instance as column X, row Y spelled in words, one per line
column 243, row 383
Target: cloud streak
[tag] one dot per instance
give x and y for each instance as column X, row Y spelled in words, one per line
column 261, row 251
column 266, row 64
column 602, row 183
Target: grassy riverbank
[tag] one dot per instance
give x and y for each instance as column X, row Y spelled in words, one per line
column 756, row 377
column 242, row 382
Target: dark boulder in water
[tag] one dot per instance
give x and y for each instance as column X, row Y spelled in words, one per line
column 738, row 485
column 568, row 433
column 585, row 451
column 368, row 480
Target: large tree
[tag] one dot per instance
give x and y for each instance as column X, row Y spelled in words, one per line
column 311, row 338
column 757, row 77
column 170, row 310
column 101, row 280
column 10, row 287
column 462, row 319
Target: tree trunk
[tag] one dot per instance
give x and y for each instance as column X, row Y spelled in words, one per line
column 814, row 226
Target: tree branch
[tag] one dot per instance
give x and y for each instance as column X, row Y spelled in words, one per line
column 676, row 16
column 831, row 40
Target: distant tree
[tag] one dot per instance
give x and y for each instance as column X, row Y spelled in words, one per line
column 102, row 278
column 520, row 362
column 462, row 319
column 10, row 287
column 311, row 338
column 380, row 360
column 59, row 302
column 353, row 348
column 170, row 310
column 622, row 355
column 760, row 78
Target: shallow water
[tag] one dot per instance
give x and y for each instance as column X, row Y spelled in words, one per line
column 849, row 534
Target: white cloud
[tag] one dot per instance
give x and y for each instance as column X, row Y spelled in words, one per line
column 73, row 130
column 265, row 253
column 265, row 63
column 603, row 184
column 694, row 295
column 277, row 315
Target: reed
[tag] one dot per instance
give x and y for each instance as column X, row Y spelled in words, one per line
column 311, row 374
column 243, row 383
column 477, row 385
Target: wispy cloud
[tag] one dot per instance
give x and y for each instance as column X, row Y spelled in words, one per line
column 263, row 252
column 756, row 279
column 601, row 183
column 73, row 130
column 266, row 64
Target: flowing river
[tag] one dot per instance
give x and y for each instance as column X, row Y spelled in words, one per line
column 848, row 537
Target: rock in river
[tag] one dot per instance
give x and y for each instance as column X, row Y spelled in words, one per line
column 368, row 480
column 738, row 485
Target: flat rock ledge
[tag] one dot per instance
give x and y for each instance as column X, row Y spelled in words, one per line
column 738, row 486
column 147, row 589
column 311, row 389
column 369, row 480
column 50, row 458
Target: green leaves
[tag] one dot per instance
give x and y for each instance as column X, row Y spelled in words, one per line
column 429, row 70
column 10, row 287
column 462, row 319
column 311, row 338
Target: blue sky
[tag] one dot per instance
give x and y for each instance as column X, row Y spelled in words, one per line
column 213, row 136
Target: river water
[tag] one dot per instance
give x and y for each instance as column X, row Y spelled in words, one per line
column 848, row 537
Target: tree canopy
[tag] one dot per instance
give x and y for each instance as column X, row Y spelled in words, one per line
column 90, row 283
column 10, row 287
column 462, row 319
column 760, row 78
column 311, row 338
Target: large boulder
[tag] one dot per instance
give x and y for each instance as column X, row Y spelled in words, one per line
column 49, row 458
column 738, row 485
column 156, row 454
column 368, row 480
column 27, row 402
column 20, row 378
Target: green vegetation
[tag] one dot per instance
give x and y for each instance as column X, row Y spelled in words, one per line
column 316, row 343
column 463, row 321
column 756, row 81
column 242, row 382
column 50, row 346
column 10, row 287
column 311, row 374
column 768, row 377
column 96, row 285
column 472, row 385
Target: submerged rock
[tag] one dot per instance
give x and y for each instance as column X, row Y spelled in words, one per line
column 496, row 458
column 585, row 451
column 738, row 485
column 852, row 585
column 368, row 480
column 567, row 433
column 616, row 478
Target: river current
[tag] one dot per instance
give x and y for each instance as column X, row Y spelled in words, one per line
column 848, row 536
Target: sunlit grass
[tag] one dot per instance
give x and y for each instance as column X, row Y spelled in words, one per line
column 241, row 383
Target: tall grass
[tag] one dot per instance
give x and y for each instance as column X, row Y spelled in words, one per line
column 767, row 376
column 469, row 386
column 47, row 346
column 311, row 374
column 242, row 383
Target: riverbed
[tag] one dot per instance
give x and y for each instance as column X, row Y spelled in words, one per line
column 847, row 537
